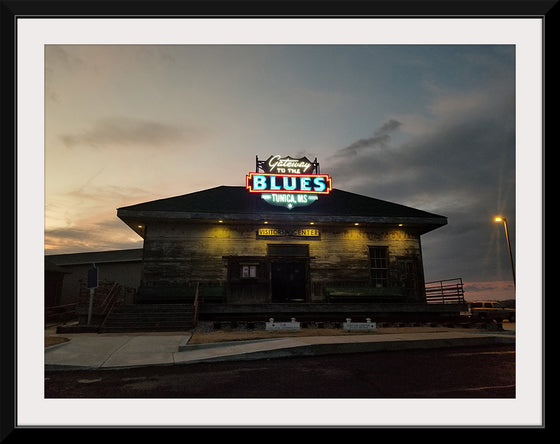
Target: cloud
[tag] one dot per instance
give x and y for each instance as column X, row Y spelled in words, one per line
column 467, row 143
column 106, row 234
column 110, row 193
column 134, row 133
column 85, row 218
column 380, row 138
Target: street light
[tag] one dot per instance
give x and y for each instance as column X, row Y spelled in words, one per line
column 503, row 219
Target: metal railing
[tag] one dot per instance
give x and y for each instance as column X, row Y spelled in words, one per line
column 109, row 302
column 447, row 291
column 61, row 313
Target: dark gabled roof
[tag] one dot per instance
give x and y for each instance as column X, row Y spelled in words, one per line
column 236, row 203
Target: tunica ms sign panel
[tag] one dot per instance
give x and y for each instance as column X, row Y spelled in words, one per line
column 288, row 182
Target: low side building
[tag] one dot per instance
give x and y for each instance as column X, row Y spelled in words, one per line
column 54, row 281
column 121, row 266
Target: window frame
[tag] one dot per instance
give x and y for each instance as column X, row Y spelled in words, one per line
column 379, row 265
column 248, row 271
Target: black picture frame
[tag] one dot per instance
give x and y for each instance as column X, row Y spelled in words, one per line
column 12, row 11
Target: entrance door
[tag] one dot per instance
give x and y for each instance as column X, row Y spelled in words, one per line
column 288, row 281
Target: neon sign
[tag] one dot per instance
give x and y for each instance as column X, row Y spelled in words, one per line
column 291, row 183
column 288, row 165
column 288, row 182
column 289, row 200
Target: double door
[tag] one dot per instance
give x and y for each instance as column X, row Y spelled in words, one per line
column 288, row 280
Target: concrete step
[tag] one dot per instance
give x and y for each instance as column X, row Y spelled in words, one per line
column 149, row 317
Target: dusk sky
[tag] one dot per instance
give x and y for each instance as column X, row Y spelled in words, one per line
column 428, row 126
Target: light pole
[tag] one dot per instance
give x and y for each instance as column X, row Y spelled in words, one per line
column 503, row 219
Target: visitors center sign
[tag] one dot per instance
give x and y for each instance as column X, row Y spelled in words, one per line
column 288, row 182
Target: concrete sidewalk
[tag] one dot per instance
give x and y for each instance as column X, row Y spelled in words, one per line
column 94, row 351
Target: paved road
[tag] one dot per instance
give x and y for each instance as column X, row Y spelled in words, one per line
column 466, row 372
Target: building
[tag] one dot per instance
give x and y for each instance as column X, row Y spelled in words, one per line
column 287, row 244
column 284, row 238
column 66, row 274
column 54, row 280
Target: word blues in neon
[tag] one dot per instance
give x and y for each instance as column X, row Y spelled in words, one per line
column 292, row 183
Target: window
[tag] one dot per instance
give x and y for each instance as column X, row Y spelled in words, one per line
column 249, row 271
column 379, row 266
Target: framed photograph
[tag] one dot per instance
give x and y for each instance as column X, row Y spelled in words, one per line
column 437, row 105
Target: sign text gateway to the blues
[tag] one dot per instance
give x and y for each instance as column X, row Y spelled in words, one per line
column 288, row 182
column 287, row 165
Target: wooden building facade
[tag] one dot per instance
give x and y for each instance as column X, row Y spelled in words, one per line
column 239, row 249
